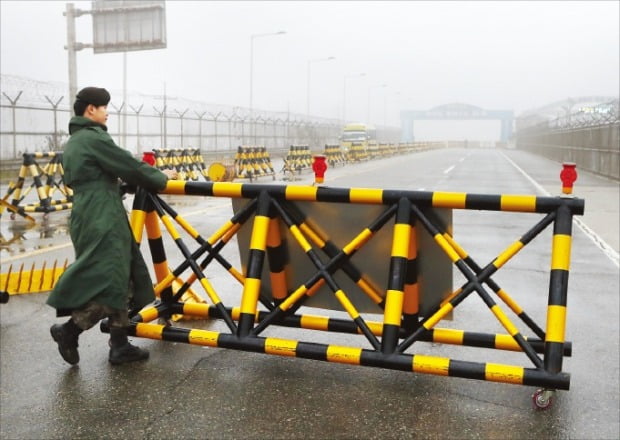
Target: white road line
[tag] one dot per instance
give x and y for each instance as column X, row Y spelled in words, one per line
column 447, row 170
column 596, row 239
column 33, row 253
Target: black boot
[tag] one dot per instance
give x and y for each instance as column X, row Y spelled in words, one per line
column 66, row 336
column 121, row 351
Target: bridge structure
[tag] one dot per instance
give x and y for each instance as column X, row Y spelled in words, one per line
column 455, row 111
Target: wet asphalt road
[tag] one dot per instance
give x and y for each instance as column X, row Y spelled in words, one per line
column 186, row 391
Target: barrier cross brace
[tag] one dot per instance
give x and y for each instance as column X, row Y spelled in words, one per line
column 388, row 342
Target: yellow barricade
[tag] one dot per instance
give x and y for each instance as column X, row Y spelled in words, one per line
column 334, row 155
column 253, row 162
column 361, row 252
column 53, row 175
column 188, row 163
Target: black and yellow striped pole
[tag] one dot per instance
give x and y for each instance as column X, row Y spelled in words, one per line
column 278, row 258
column 256, row 257
column 411, row 303
column 558, row 288
column 31, row 165
column 417, row 363
column 394, row 297
column 556, row 308
column 331, row 324
column 143, row 216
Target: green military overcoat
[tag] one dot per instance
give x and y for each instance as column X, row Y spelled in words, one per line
column 108, row 263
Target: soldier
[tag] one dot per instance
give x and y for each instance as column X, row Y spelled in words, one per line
column 109, row 275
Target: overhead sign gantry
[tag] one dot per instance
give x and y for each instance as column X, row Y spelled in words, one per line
column 455, row 111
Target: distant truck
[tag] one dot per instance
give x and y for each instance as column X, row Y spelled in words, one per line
column 358, row 132
column 356, row 139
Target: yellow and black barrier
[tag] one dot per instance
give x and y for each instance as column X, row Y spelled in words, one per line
column 280, row 226
column 53, row 175
column 253, row 162
column 188, row 163
column 373, row 150
column 413, row 147
column 410, row 147
column 386, row 150
column 263, row 160
column 243, row 167
column 297, row 159
column 334, row 155
column 357, row 152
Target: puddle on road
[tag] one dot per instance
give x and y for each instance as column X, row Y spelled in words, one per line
column 19, row 235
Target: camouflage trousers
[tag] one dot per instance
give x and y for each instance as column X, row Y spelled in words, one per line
column 89, row 315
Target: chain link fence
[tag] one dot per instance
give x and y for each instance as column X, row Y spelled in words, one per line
column 35, row 117
column 138, row 127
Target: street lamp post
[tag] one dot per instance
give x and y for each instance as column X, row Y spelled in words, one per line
column 378, row 86
column 308, row 86
column 344, row 94
column 384, row 109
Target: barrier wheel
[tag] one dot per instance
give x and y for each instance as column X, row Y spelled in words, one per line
column 542, row 399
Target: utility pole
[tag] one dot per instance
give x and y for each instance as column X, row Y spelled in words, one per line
column 71, row 49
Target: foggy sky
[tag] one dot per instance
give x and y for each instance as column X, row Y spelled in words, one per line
column 496, row 55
